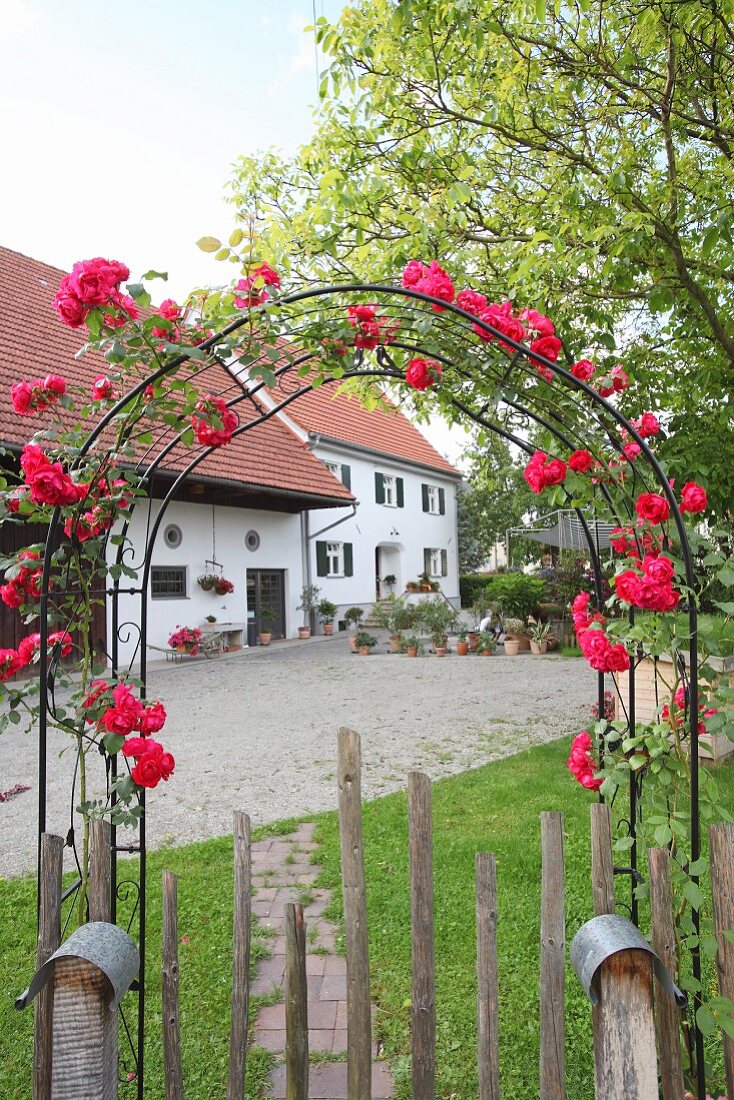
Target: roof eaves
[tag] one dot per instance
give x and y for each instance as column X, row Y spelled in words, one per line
column 320, row 437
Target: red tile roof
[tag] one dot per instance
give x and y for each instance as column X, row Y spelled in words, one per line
column 343, row 417
column 34, row 342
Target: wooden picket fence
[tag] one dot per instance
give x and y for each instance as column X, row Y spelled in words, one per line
column 636, row 1034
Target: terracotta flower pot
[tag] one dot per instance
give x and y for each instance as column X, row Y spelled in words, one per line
column 353, row 643
column 473, row 640
column 538, row 647
column 512, row 647
column 304, row 632
column 462, row 648
column 440, row 651
column 328, row 628
column 485, row 652
column 412, row 650
column 264, row 637
column 364, row 651
column 394, row 643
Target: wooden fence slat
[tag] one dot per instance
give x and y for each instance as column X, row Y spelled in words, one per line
column 552, row 959
column 241, row 962
column 420, row 834
column 721, row 853
column 663, row 941
column 602, row 869
column 100, row 870
column 170, row 1002
column 487, row 977
column 49, row 938
column 628, row 1067
column 359, row 1020
column 296, row 1005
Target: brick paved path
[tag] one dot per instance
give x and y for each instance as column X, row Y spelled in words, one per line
column 281, row 873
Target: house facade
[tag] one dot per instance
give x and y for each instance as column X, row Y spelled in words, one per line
column 330, row 494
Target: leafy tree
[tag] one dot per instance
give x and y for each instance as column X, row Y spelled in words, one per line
column 497, row 498
column 576, row 158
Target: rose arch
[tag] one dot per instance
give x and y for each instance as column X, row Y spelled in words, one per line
column 181, row 385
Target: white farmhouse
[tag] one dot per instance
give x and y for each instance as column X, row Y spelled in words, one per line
column 330, row 494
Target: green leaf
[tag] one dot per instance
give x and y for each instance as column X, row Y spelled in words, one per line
column 139, row 294
column 705, row 1020
column 709, row 241
column 222, row 254
column 188, row 438
column 208, row 244
column 236, row 237
column 540, row 11
column 693, row 894
column 156, row 275
column 113, row 742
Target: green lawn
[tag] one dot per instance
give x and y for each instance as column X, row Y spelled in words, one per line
column 494, row 808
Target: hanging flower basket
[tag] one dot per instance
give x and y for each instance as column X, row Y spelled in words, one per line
column 223, row 587
column 206, row 581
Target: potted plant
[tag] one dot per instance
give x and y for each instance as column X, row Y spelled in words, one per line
column 539, row 633
column 514, row 628
column 486, row 644
column 390, row 581
column 353, row 618
column 413, row 586
column 186, row 639
column 365, row 642
column 439, row 641
column 267, row 618
column 477, row 612
column 327, row 610
column 424, row 583
column 462, row 645
column 406, row 616
column 222, row 586
column 206, row 581
column 440, row 619
column 309, row 603
column 211, row 618
column 412, row 645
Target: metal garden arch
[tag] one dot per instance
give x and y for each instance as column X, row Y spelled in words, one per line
column 509, row 397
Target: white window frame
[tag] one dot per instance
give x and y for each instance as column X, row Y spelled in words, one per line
column 435, row 570
column 434, row 500
column 390, row 490
column 335, row 559
column 335, row 468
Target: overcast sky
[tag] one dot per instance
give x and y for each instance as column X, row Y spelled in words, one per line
column 120, row 123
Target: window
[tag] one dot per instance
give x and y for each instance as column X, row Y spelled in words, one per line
column 435, row 562
column 341, row 471
column 168, row 582
column 172, row 536
column 334, row 559
column 434, row 500
column 389, row 490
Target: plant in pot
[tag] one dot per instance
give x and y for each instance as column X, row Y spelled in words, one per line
column 353, row 618
column 440, row 620
column 477, row 613
column 186, row 639
column 462, row 645
column 390, row 581
column 222, row 586
column 539, row 633
column 439, row 641
column 405, row 616
column 514, row 630
column 211, row 618
column 327, row 610
column 267, row 618
column 412, row 645
column 486, row 644
column 309, row 603
column 206, row 581
column 365, row 642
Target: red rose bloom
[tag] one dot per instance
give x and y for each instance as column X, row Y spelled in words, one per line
column 538, row 322
column 423, row 373
column 71, row 311
column 10, row 663
column 583, row 370
column 92, row 281
column 580, row 461
column 470, row 300
column 152, row 719
column 627, row 585
column 147, row 771
column 652, row 507
column 693, row 498
column 102, row 390
column 547, row 346
column 620, row 380
column 431, row 279
column 207, row 433
column 658, row 568
column 617, row 659
column 648, row 425
column 135, row 746
column 253, row 296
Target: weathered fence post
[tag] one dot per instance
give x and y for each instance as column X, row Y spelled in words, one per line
column 296, row 1005
column 487, row 977
column 721, row 851
column 171, row 1030
column 663, row 940
column 552, row 959
column 90, row 973
column 241, row 962
column 625, row 1060
column 49, row 938
column 100, row 870
column 421, row 911
column 359, row 1022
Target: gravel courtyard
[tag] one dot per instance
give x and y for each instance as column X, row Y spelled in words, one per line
column 257, row 731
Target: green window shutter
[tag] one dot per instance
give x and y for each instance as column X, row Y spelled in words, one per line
column 322, row 568
column 424, row 494
column 346, row 476
column 348, row 560
column 442, row 504
column 444, row 563
column 427, row 561
column 401, row 491
column 379, row 488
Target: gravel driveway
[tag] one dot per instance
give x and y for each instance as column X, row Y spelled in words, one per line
column 257, row 731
